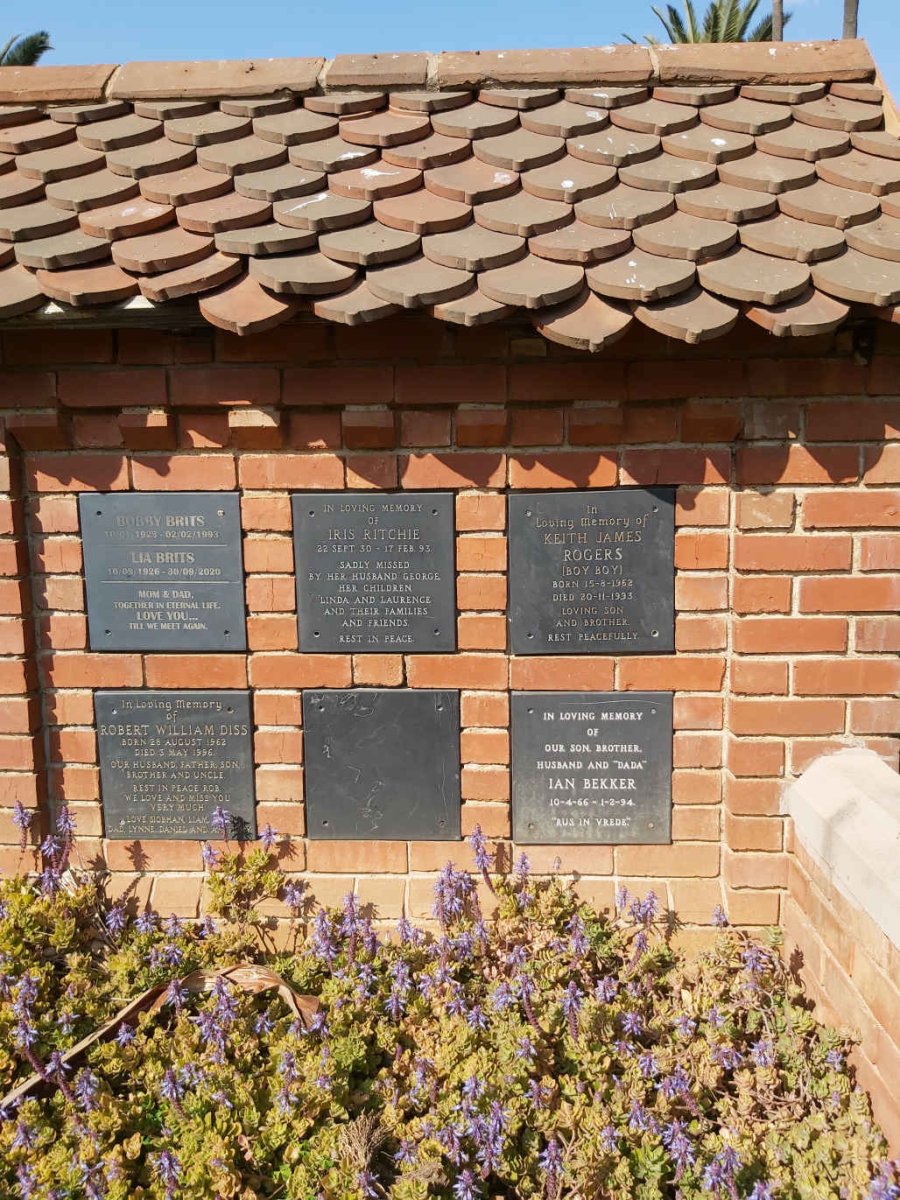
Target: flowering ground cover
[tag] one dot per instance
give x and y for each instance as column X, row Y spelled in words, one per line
column 541, row 1050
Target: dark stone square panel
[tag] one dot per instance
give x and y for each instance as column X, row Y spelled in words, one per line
column 169, row 759
column 592, row 767
column 382, row 764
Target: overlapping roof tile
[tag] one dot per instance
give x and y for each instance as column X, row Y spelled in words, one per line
column 583, row 189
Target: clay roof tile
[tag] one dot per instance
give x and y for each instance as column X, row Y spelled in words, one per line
column 231, row 211
column 722, row 202
column 305, row 274
column 624, row 207
column 20, row 292
column 580, row 243
column 806, row 315
column 564, row 119
column 261, row 240
column 244, row 307
column 369, row 244
column 97, row 190
column 433, row 151
column 785, row 237
column 692, row 316
column 587, row 322
column 202, row 276
column 879, row 238
column 279, row 183
column 523, row 214
column 474, row 249
column 861, row 173
column 569, row 179
column 637, row 275
column 615, row 147
column 165, row 250
column 386, row 129
column 186, row 185
column 356, row 306
column 471, row 181
column 81, row 286
column 150, row 158
column 418, row 282
column 684, row 236
column 241, row 156
column 72, row 249
column 131, row 219
column 831, row 112
column 295, row 126
column 331, row 154
column 859, row 277
column 472, row 308
column 422, row 212
column 824, row 204
column 532, row 282
column 322, row 211
column 806, row 142
column 745, row 275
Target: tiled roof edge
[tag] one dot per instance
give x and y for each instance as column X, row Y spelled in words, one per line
column 748, row 62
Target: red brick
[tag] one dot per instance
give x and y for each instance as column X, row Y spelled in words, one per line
column 38, row 431
column 476, row 632
column 722, row 422
column 786, row 552
column 670, row 379
column 278, row 746
column 846, row 677
column 153, row 430
column 480, row 510
column 301, row 471
column 183, row 472
column 700, row 593
column 696, row 787
column 255, row 428
column 114, row 388
column 314, row 430
column 378, row 670
column 700, row 551
column 482, row 427
column 321, row 386
column 371, row 471
column 680, row 674
column 599, row 425
column 493, row 819
column 463, row 469
column 561, row 673
column 93, row 670
column 563, row 469
column 485, row 783
column 857, row 509
column 765, row 510
column 276, row 708
column 753, row 796
column 481, row 592
column 753, row 907
column 96, row 430
column 484, row 746
column 271, row 595
column 877, row 635
column 270, row 513
column 203, row 431
column 699, row 750
column 790, row 635
column 650, row 467
column 880, row 552
column 875, row 716
column 485, row 709
column 786, row 717
column 63, row 631
column 536, row 427
column 144, row 346
column 685, row 860
column 279, row 784
column 550, row 381
column 268, row 554
column 26, row 389
column 188, row 670
column 881, row 464
column 759, row 677
column 756, row 870
column 871, row 594
column 205, row 388
column 176, row 895
column 368, row 429
column 701, row 506
column 54, row 346
column 76, row 472
column 56, row 514
column 754, row 833
column 695, row 824
column 425, row 427
column 272, row 632
column 698, row 712
column 488, row 671
column 369, row 857
column 699, row 633
column 770, row 594
column 797, row 464
column 841, row 421
column 429, row 385
column 481, row 553
column 281, row 670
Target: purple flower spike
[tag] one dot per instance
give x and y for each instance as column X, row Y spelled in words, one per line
column 483, row 858
column 719, row 917
column 269, row 837
column 22, row 818
column 220, row 822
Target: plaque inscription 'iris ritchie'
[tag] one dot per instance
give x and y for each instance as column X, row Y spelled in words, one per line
column 381, row 763
column 169, row 759
column 164, row 571
column 375, row 572
column 592, row 767
column 592, row 572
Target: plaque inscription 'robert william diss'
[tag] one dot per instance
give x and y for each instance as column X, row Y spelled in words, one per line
column 592, row 767
column 164, row 571
column 375, row 572
column 381, row 763
column 592, row 572
column 169, row 759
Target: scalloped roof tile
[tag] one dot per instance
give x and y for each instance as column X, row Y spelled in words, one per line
column 386, row 181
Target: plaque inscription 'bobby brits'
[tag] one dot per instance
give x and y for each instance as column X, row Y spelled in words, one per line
column 382, row 763
column 592, row 767
column 375, row 572
column 592, row 572
column 169, row 759
column 164, row 571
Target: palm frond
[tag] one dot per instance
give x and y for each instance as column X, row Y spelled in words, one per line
column 722, row 21
column 25, row 51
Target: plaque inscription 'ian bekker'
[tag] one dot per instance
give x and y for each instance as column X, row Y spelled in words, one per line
column 375, row 572
column 592, row 767
column 382, row 763
column 169, row 759
column 164, row 571
column 592, row 572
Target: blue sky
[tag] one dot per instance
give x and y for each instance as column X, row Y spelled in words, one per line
column 119, row 30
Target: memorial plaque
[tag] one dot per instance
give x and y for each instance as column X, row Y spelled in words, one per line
column 169, row 759
column 592, row 767
column 164, row 571
column 375, row 572
column 592, row 572
column 381, row 763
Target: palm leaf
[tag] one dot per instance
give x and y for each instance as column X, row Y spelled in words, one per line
column 723, row 21
column 26, row 51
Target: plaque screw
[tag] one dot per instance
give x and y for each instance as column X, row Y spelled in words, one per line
column 312, row 512
column 527, row 512
column 221, row 512
column 109, row 633
column 324, row 822
column 656, row 508
column 652, row 712
column 434, row 514
column 228, row 633
column 654, row 633
column 651, row 825
column 99, row 512
column 531, row 635
column 316, row 633
column 530, row 711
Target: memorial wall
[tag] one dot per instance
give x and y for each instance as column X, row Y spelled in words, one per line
column 374, row 591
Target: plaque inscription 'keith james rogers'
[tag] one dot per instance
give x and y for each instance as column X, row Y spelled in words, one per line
column 375, row 572
column 592, row 572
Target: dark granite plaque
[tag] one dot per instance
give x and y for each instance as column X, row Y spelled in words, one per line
column 375, row 572
column 592, row 767
column 382, row 763
column 169, row 759
column 592, row 572
column 164, row 571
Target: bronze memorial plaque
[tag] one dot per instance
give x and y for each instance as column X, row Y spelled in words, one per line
column 164, row 571
column 382, row 763
column 592, row 572
column 592, row 767
column 375, row 572
column 169, row 759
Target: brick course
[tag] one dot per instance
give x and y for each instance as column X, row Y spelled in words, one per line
column 786, row 569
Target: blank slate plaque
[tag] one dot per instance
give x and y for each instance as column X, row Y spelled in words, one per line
column 164, row 571
column 592, row 767
column 592, row 572
column 169, row 759
column 375, row 572
column 382, row 763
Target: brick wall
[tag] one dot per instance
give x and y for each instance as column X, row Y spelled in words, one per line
column 787, row 492
column 851, row 970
